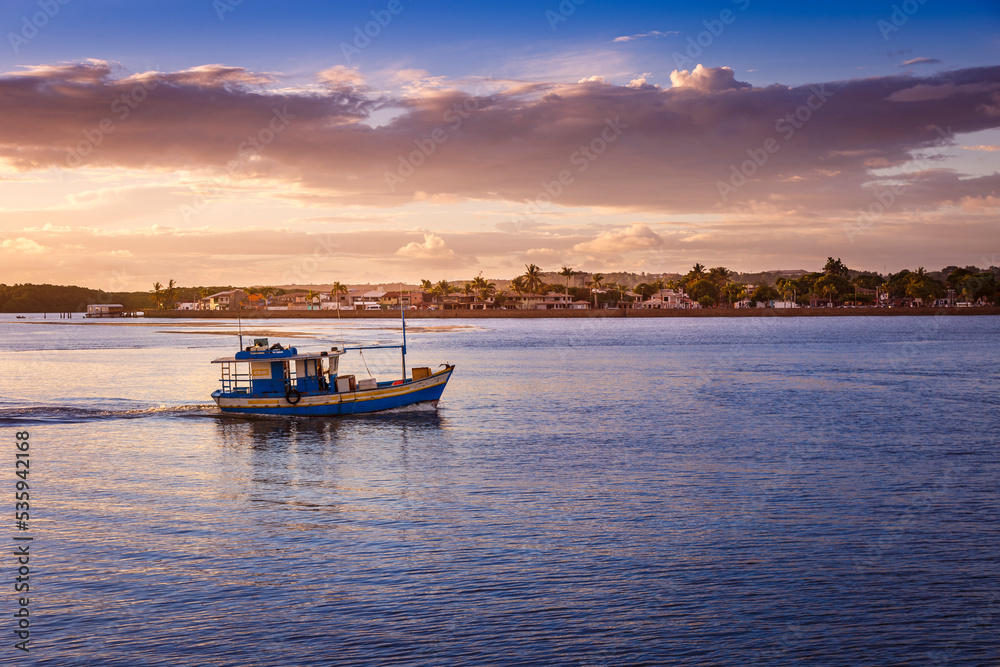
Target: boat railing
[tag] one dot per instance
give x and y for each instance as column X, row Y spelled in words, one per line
column 234, row 382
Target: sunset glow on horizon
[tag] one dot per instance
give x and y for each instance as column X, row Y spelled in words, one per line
column 248, row 143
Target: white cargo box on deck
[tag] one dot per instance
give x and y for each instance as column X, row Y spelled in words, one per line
column 368, row 383
column 345, row 383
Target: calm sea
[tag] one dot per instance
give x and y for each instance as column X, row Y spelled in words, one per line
column 590, row 492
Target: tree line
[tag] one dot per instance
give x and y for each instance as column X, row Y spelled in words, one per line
column 718, row 286
column 47, row 298
column 710, row 287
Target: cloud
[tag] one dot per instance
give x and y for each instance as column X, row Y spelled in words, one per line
column 198, row 118
column 929, row 92
column 217, row 76
column 617, row 147
column 640, row 82
column 988, row 148
column 655, row 34
column 342, row 77
column 545, row 255
column 23, row 245
column 988, row 203
column 433, row 247
column 634, row 237
column 707, row 79
column 919, row 61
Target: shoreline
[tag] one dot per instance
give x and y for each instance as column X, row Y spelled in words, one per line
column 563, row 314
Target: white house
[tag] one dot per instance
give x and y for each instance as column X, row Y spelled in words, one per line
column 667, row 298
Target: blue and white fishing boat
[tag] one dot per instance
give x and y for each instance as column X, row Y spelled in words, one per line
column 276, row 380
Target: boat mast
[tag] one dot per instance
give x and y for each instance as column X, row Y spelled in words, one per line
column 402, row 316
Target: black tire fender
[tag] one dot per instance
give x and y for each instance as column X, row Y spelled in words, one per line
column 293, row 396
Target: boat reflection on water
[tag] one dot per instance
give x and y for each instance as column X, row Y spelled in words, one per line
column 286, row 433
column 304, row 475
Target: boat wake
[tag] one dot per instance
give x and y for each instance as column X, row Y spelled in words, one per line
column 55, row 414
column 426, row 406
column 75, row 415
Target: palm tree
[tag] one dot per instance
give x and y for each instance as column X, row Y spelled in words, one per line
column 734, row 292
column 310, row 297
column 517, row 284
column 595, row 283
column 157, row 294
column 533, row 278
column 483, row 287
column 443, row 289
column 567, row 273
column 787, row 289
column 268, row 293
column 696, row 273
column 622, row 291
column 719, row 275
column 336, row 290
column 170, row 294
column 478, row 283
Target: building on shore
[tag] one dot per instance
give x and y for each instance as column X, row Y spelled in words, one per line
column 230, row 300
column 555, row 301
column 105, row 310
column 288, row 301
column 412, row 299
column 667, row 298
column 524, row 301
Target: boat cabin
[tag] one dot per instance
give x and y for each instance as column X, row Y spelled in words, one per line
column 261, row 370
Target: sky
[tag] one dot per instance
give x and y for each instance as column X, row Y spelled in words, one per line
column 247, row 142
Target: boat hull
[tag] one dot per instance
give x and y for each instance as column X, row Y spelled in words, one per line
column 334, row 404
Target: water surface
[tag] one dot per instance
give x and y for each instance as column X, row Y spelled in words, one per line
column 690, row 491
